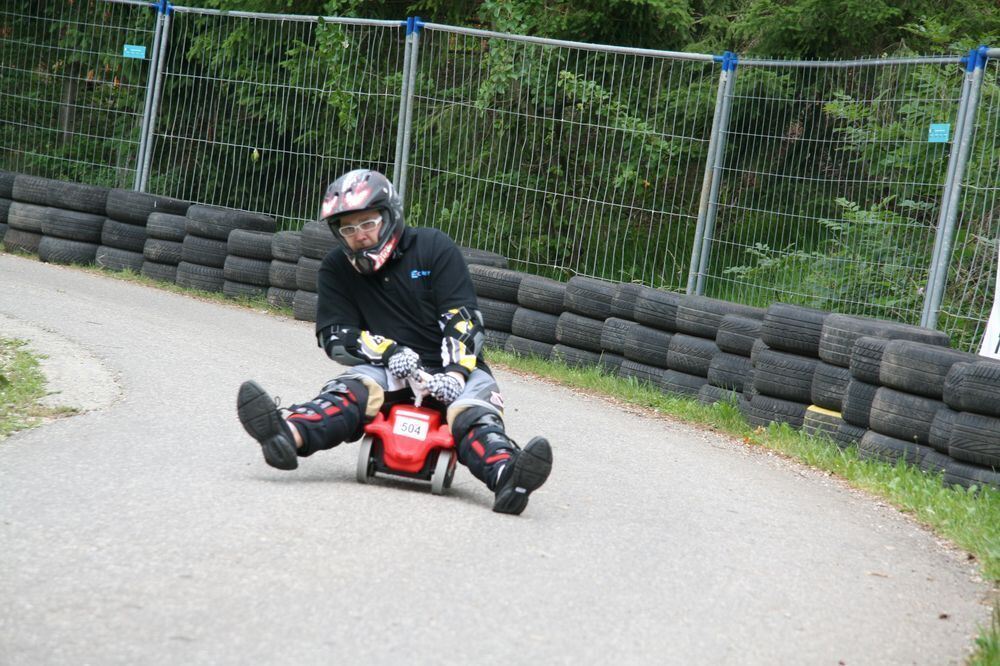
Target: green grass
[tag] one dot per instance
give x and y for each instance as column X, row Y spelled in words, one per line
column 22, row 386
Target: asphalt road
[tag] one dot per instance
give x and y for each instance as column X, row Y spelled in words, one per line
column 148, row 530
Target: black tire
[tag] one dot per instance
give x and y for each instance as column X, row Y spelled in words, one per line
column 682, row 383
column 974, row 387
column 848, row 435
column 614, row 332
column 3, row 229
column 793, row 328
column 542, row 294
column 283, row 275
column 286, row 246
column 763, row 410
column 525, row 347
column 757, row 348
column 217, row 223
column 161, row 272
column 482, row 257
column 7, row 184
column 902, row 415
column 975, row 438
column 304, row 305
column 16, row 240
column 883, row 448
column 820, row 422
column 829, row 385
column 709, row 395
column 641, row 372
column 935, row 462
column 575, row 358
column 73, row 225
column 166, row 227
column 590, row 297
column 736, row 334
column 64, row 251
column 136, row 207
column 197, row 276
column 701, row 316
column 579, row 331
column 623, row 303
column 647, row 345
column 307, row 274
column 840, row 332
column 246, row 271
column 657, row 308
column 60, row 194
column 966, row 475
column 783, row 375
column 250, row 244
column 497, row 315
column 4, row 210
column 27, row 217
column 117, row 259
column 204, row 252
column 496, row 339
column 941, row 427
column 866, row 358
column 498, row 283
column 858, row 402
column 919, row 368
column 690, row 355
column 242, row 290
column 611, row 363
column 729, row 371
column 281, row 298
column 532, row 324
column 316, row 240
column 162, row 251
column 123, row 236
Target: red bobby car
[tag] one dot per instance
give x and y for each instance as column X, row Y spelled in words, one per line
column 411, row 441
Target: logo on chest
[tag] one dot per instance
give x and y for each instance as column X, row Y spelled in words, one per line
column 417, row 274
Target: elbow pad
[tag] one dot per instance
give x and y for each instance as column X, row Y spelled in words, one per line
column 350, row 345
column 463, row 336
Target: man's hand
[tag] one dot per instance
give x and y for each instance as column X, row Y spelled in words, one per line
column 445, row 387
column 403, row 362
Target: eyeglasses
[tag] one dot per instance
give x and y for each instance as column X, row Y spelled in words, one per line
column 349, row 230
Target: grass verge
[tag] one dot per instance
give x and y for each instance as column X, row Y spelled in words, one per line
column 22, row 386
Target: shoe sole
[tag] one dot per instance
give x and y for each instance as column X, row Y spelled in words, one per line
column 263, row 422
column 531, row 469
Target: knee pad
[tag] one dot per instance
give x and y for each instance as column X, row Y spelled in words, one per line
column 332, row 417
column 483, row 445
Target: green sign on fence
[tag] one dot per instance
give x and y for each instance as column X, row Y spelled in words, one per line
column 133, row 51
column 938, row 133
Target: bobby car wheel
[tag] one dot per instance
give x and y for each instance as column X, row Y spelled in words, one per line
column 366, row 464
column 444, row 472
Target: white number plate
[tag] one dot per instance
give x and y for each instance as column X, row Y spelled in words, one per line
column 412, row 427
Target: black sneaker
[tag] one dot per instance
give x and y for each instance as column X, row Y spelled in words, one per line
column 262, row 420
column 530, row 468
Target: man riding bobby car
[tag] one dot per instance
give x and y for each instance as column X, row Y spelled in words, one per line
column 394, row 298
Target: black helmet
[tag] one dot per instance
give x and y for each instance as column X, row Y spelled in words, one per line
column 363, row 189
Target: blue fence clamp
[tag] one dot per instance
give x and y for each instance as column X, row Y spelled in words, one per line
column 414, row 25
column 729, row 61
column 981, row 52
column 163, row 7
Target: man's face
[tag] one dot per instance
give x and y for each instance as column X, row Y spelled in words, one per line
column 358, row 231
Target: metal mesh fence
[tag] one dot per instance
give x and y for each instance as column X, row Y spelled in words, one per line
column 260, row 112
column 972, row 271
column 563, row 159
column 73, row 80
column 832, row 185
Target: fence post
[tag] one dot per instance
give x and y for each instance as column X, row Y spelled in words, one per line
column 166, row 9
column 946, row 231
column 413, row 29
column 706, row 182
column 729, row 63
column 403, row 100
column 150, row 84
